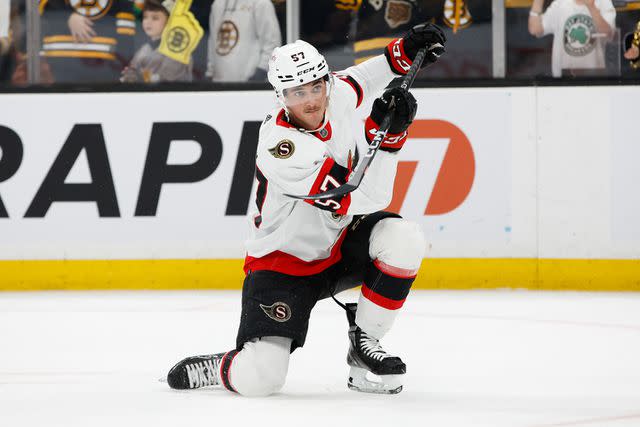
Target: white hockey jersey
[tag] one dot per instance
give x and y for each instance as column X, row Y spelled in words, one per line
column 300, row 237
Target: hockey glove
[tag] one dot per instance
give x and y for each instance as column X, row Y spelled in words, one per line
column 400, row 53
column 405, row 110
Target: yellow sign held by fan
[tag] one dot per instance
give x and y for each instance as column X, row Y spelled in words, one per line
column 182, row 33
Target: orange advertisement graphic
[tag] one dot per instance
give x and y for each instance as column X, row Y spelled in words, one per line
column 455, row 177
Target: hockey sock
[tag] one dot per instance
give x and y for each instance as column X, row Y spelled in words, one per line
column 383, row 293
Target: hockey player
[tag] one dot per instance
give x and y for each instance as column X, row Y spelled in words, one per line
column 302, row 251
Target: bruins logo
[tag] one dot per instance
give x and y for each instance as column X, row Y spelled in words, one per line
column 92, row 9
column 283, row 150
column 178, row 39
column 227, row 38
column 397, row 13
column 456, row 14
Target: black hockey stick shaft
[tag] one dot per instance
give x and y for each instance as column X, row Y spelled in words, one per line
column 357, row 176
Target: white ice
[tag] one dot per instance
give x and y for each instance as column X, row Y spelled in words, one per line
column 479, row 358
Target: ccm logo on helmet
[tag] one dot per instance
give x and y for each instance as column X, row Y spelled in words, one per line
column 308, row 70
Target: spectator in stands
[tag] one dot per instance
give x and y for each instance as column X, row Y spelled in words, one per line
column 379, row 22
column 13, row 60
column 243, row 33
column 201, row 10
column 4, row 27
column 5, row 40
column 580, row 31
column 466, row 23
column 87, row 41
column 632, row 47
column 148, row 65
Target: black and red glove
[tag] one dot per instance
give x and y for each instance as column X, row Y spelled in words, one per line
column 400, row 53
column 404, row 113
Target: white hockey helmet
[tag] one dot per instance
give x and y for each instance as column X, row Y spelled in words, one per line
column 296, row 64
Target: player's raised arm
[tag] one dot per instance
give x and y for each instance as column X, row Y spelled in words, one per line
column 369, row 78
column 298, row 166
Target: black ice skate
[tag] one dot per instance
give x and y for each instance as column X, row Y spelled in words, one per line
column 367, row 356
column 195, row 372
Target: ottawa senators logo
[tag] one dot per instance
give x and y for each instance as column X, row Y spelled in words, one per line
column 92, row 9
column 283, row 150
column 278, row 311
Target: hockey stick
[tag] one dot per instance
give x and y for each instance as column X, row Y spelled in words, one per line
column 357, row 176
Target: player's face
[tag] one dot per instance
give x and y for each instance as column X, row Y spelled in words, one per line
column 307, row 104
column 153, row 22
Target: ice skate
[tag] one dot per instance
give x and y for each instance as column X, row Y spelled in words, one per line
column 367, row 357
column 195, row 372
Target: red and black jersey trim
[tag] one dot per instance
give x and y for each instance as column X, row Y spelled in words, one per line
column 331, row 176
column 225, row 367
column 281, row 120
column 323, row 134
column 289, row 264
column 354, row 85
column 261, row 195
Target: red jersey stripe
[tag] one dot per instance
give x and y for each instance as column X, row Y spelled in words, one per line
column 294, row 266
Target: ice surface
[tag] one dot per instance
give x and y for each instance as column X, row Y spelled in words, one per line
column 479, row 358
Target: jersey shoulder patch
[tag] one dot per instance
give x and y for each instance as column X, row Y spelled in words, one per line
column 287, row 147
column 283, row 149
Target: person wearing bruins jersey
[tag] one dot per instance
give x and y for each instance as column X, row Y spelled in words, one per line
column 378, row 22
column 632, row 47
column 87, row 41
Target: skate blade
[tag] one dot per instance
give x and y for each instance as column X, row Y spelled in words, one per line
column 388, row 384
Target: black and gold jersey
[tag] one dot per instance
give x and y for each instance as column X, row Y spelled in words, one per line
column 380, row 21
column 113, row 23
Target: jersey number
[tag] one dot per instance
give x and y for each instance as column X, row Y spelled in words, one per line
column 331, row 204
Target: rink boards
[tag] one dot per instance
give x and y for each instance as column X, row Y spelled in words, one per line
column 530, row 187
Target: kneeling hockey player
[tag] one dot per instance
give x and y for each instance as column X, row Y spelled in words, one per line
column 300, row 251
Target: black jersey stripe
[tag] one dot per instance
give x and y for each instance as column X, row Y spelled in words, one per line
column 356, row 87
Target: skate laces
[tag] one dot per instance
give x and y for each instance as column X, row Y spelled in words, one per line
column 371, row 347
column 203, row 373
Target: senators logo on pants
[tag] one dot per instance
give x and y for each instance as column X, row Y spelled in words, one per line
column 278, row 311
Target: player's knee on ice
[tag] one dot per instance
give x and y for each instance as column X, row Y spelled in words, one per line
column 260, row 368
column 398, row 243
